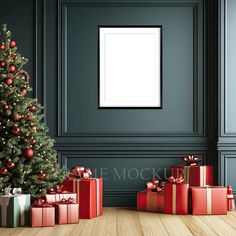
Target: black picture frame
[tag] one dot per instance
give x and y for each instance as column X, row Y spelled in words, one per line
column 160, row 27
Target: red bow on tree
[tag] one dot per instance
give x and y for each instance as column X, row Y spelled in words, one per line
column 79, row 172
column 191, row 160
column 155, row 185
column 174, row 180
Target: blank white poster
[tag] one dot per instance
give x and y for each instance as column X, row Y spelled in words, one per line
column 129, row 67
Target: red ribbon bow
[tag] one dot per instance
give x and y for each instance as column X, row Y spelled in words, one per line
column 79, row 172
column 70, row 200
column 191, row 160
column 174, row 180
column 59, row 189
column 41, row 203
column 155, row 185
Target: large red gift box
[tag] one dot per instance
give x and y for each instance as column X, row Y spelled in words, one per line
column 90, row 194
column 67, row 213
column 57, row 197
column 194, row 175
column 42, row 216
column 209, row 200
column 176, row 198
column 150, row 201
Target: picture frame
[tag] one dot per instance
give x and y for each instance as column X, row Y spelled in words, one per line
column 130, row 66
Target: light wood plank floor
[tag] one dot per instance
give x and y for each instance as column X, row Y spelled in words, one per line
column 129, row 222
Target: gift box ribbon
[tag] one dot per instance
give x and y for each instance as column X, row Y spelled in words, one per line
column 208, row 193
column 70, row 200
column 155, row 185
column 203, row 174
column 79, row 172
column 174, row 182
column 191, row 160
column 57, row 190
column 41, row 203
column 98, row 197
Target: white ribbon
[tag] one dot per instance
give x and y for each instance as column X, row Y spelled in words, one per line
column 174, row 199
column 4, row 202
column 98, row 196
column 208, row 192
column 22, row 202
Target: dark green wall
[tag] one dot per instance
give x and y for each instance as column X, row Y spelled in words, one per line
column 227, row 97
column 125, row 146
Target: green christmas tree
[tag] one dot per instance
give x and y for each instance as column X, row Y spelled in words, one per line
column 27, row 157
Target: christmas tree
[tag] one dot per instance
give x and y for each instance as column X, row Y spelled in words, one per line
column 27, row 157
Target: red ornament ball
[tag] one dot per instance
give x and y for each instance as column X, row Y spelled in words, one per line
column 15, row 117
column 32, row 142
column 33, row 109
column 10, row 165
column 15, row 130
column 3, row 170
column 28, row 153
column 2, row 47
column 41, row 175
column 12, row 44
column 2, row 64
column 8, row 81
column 11, row 68
column 24, row 91
column 5, row 107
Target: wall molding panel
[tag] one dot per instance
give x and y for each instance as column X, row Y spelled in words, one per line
column 198, row 108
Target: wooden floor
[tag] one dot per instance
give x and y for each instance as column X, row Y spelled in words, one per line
column 128, row 222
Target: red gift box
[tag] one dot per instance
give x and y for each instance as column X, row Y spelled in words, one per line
column 150, row 201
column 67, row 213
column 176, row 198
column 194, row 175
column 90, row 193
column 57, row 197
column 209, row 200
column 42, row 214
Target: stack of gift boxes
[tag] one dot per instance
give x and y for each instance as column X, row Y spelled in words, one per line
column 189, row 190
column 78, row 197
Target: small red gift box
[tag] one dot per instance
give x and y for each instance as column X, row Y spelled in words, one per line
column 90, row 193
column 176, row 197
column 209, row 200
column 150, row 201
column 153, row 198
column 42, row 214
column 194, row 175
column 57, row 197
column 67, row 212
